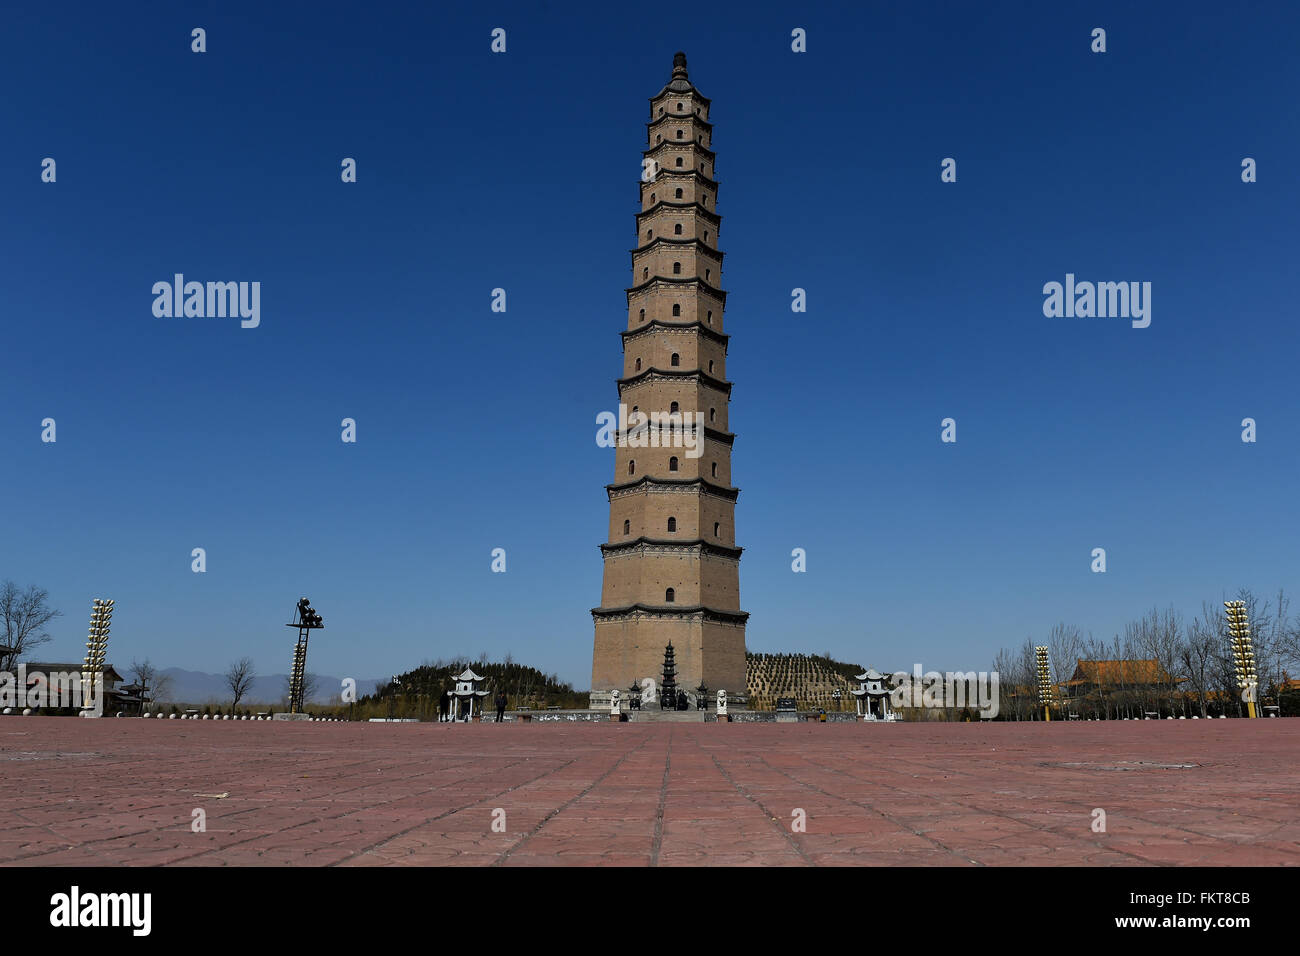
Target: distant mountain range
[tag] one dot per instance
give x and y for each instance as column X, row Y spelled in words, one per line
column 197, row 687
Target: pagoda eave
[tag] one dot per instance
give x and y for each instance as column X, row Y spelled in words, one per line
column 671, row 610
column 729, row 492
column 670, row 88
column 669, row 240
column 712, row 217
column 686, row 280
column 692, row 544
column 706, row 331
column 707, row 379
column 667, row 117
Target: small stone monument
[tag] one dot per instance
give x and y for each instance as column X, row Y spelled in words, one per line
column 722, row 706
column 614, row 704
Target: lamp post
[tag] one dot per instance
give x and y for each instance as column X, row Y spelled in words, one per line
column 1044, row 681
column 306, row 621
column 1243, row 654
column 101, row 619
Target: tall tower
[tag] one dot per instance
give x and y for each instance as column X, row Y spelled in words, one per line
column 672, row 568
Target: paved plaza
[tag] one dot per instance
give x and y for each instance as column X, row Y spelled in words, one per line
column 112, row 791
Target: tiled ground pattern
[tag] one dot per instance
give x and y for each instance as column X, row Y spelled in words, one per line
column 113, row 791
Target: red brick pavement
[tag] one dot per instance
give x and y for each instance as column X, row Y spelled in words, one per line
column 109, row 791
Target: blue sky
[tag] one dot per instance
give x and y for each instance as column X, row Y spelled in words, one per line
column 476, row 430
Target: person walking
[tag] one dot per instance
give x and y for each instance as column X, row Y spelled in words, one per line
column 501, row 705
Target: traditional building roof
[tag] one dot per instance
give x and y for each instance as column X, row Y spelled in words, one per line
column 1135, row 672
column 49, row 667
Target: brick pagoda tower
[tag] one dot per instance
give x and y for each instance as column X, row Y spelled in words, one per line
column 672, row 568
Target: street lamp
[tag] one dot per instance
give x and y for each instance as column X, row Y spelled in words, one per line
column 1243, row 655
column 1044, row 681
column 306, row 621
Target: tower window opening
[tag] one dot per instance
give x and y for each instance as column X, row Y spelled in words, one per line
column 678, row 194
column 677, row 309
column 627, row 527
column 710, row 366
column 670, row 596
column 677, row 268
column 638, row 365
column 631, row 466
column 716, row 528
column 674, row 408
column 642, row 316
column 680, row 134
column 677, row 229
column 714, row 470
column 710, row 317
column 679, row 161
column 713, row 414
column 675, row 360
column 672, row 463
column 672, row 524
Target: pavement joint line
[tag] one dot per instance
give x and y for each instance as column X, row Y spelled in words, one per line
column 1062, row 831
column 867, row 806
column 572, row 800
column 434, row 819
column 776, row 821
column 258, row 834
column 967, row 806
column 657, row 843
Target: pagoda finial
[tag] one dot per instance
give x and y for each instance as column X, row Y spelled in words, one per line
column 679, row 65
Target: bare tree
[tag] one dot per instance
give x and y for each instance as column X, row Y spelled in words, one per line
column 1201, row 650
column 23, row 616
column 1064, row 646
column 310, row 684
column 239, row 678
column 157, row 685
